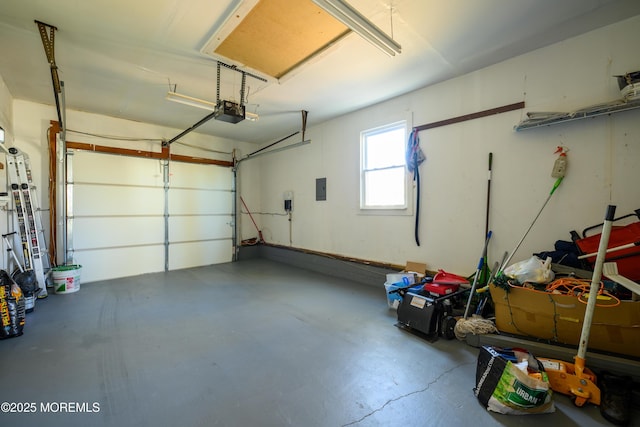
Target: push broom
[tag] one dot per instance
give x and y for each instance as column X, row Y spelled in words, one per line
column 575, row 379
column 260, row 238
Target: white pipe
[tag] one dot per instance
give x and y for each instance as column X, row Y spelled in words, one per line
column 617, row 248
column 595, row 282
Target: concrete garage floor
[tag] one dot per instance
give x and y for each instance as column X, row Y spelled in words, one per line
column 251, row 343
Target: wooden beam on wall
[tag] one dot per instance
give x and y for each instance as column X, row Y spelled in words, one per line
column 165, row 154
column 466, row 117
column 199, row 160
column 114, row 150
column 54, row 130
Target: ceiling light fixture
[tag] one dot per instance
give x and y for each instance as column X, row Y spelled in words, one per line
column 193, row 102
column 345, row 13
column 205, row 105
column 253, row 117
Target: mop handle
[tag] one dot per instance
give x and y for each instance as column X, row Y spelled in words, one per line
column 475, row 279
column 513, row 252
column 595, row 281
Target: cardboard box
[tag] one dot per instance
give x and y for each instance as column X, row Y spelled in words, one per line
column 416, row 267
column 558, row 318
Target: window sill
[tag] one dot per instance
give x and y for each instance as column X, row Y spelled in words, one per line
column 385, row 212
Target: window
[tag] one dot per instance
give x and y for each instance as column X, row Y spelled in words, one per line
column 383, row 183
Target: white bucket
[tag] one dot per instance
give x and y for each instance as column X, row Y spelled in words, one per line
column 66, row 279
column 29, row 303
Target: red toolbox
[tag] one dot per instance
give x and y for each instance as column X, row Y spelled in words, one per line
column 441, row 289
column 628, row 260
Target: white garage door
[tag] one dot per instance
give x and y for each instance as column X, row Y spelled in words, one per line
column 200, row 215
column 119, row 226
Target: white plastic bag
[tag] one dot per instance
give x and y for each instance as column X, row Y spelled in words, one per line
column 532, row 270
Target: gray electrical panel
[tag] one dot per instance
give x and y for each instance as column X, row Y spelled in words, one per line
column 321, row 188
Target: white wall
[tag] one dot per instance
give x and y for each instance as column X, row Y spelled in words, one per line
column 604, row 162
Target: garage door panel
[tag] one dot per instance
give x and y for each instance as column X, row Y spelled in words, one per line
column 107, row 200
column 183, row 201
column 193, row 254
column 103, row 232
column 120, row 262
column 190, row 228
column 189, row 175
column 119, row 223
column 108, row 168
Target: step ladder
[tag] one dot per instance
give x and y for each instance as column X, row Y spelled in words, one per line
column 29, row 224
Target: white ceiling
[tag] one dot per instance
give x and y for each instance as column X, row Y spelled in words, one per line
column 117, row 57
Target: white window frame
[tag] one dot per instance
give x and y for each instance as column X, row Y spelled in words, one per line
column 384, row 209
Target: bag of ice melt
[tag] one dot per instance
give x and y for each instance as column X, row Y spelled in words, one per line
column 12, row 309
column 512, row 381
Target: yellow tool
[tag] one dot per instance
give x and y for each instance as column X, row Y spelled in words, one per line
column 573, row 380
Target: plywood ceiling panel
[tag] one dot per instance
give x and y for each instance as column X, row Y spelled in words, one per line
column 278, row 35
